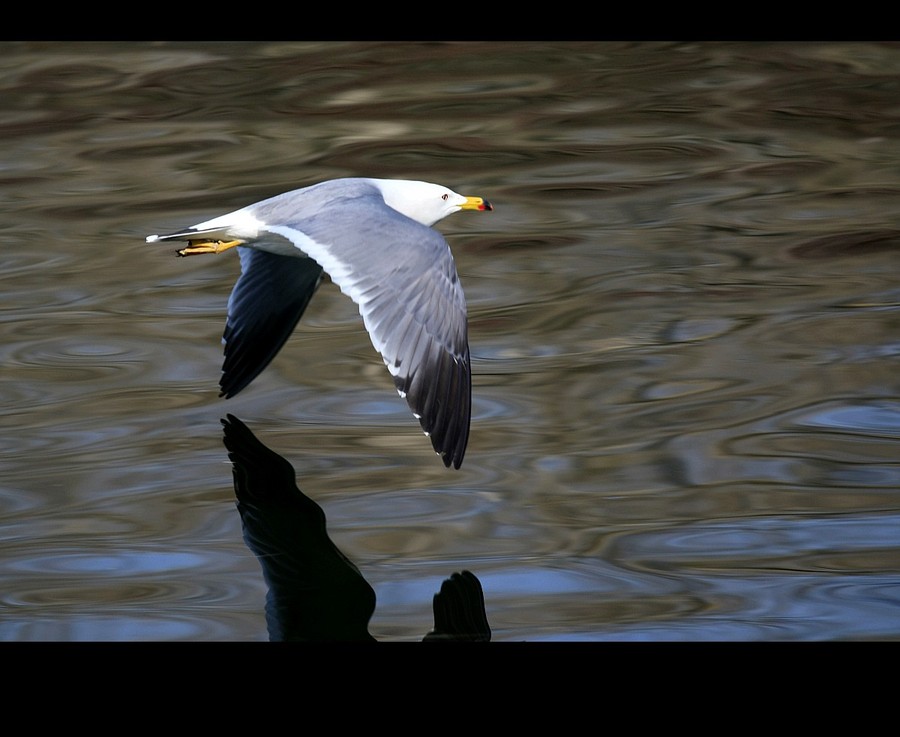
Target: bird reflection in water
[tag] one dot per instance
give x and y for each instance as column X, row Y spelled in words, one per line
column 315, row 593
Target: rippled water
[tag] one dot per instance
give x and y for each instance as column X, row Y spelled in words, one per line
column 684, row 322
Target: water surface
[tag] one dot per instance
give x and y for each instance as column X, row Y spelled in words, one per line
column 684, row 324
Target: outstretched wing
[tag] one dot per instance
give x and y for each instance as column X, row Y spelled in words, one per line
column 265, row 305
column 402, row 276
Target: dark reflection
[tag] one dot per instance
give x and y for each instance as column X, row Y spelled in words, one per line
column 459, row 612
column 315, row 592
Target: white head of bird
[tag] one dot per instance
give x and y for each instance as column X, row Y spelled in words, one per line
column 424, row 202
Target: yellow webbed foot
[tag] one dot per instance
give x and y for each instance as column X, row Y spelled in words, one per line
column 195, row 248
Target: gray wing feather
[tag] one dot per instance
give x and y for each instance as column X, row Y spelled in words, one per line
column 403, row 277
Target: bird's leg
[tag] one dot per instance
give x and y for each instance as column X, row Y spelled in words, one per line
column 195, row 248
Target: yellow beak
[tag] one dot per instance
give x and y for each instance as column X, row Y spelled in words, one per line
column 476, row 203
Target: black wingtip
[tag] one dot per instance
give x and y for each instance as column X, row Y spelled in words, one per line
column 451, row 460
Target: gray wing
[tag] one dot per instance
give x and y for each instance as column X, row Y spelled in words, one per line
column 265, row 305
column 402, row 276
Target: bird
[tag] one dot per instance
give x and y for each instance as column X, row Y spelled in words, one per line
column 315, row 593
column 374, row 238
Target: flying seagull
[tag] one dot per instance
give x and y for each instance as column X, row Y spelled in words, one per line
column 375, row 240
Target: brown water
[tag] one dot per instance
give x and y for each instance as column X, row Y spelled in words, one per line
column 684, row 322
